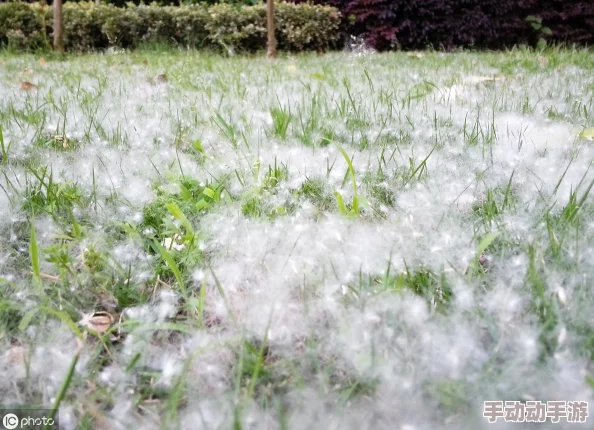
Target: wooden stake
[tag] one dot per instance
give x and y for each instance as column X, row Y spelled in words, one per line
column 271, row 48
column 58, row 26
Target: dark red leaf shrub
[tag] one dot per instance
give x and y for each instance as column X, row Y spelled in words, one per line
column 447, row 24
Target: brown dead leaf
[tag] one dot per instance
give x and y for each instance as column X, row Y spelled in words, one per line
column 160, row 79
column 145, row 62
column 27, row 86
column 15, row 355
column 42, row 62
column 97, row 321
column 28, row 72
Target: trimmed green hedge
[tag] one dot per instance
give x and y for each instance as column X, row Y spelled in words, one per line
column 92, row 26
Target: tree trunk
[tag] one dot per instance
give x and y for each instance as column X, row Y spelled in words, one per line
column 58, row 26
column 271, row 48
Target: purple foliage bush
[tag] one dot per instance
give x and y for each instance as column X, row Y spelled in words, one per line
column 447, row 24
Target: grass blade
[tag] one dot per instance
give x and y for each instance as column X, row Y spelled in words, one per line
column 483, row 245
column 168, row 259
column 178, row 214
column 34, row 253
column 64, row 387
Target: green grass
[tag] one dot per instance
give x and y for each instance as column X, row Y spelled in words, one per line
column 331, row 239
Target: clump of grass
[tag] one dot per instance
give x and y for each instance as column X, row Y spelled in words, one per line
column 192, row 200
column 275, row 175
column 263, row 200
column 353, row 209
column 4, row 148
column 379, row 189
column 11, row 311
column 58, row 142
column 495, row 202
column 167, row 227
column 327, row 136
column 316, row 192
column 435, row 289
column 43, row 193
column 418, row 131
column 543, row 305
column 255, row 371
column 454, row 396
column 281, row 119
column 253, row 207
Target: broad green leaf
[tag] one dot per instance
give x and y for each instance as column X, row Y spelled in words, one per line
column 532, row 18
column 34, row 252
column 179, row 215
column 202, row 204
column 355, row 209
column 340, row 202
column 587, row 133
column 27, row 319
column 197, row 145
column 185, row 193
column 487, row 240
column 76, row 229
column 166, row 256
column 208, row 192
column 350, row 164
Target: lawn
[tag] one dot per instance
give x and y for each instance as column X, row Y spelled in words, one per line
column 349, row 240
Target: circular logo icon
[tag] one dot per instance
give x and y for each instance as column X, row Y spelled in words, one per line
column 10, row 421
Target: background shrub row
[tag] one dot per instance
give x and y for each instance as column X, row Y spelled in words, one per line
column 90, row 26
column 447, row 24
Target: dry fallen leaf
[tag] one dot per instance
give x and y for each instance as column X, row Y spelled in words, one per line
column 27, row 86
column 42, row 62
column 160, row 79
column 145, row 62
column 15, row 355
column 28, row 72
column 97, row 321
column 66, row 143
